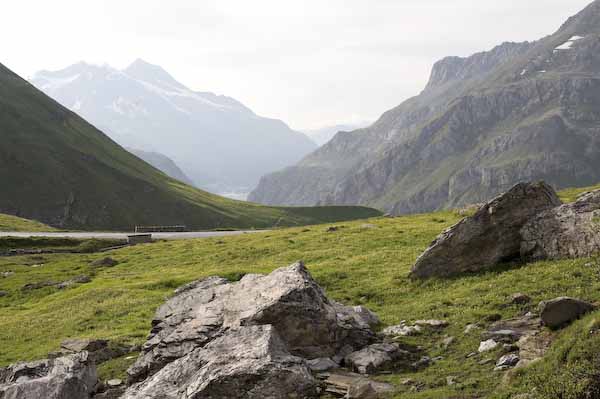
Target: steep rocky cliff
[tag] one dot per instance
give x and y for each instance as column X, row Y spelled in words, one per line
column 522, row 111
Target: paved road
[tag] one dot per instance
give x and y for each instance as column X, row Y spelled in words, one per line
column 117, row 236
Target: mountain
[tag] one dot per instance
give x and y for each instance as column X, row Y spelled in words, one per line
column 162, row 163
column 522, row 111
column 323, row 134
column 58, row 169
column 218, row 142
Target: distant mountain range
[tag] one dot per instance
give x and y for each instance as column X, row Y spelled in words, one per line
column 162, row 163
column 522, row 111
column 217, row 141
column 57, row 168
column 322, row 135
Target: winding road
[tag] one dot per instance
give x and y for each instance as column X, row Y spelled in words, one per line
column 118, row 236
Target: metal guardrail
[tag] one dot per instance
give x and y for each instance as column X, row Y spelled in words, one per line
column 160, row 229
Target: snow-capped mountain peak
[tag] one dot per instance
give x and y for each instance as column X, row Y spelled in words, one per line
column 220, row 143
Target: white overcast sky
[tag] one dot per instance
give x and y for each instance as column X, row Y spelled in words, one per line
column 308, row 62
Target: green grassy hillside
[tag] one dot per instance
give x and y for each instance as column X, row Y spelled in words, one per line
column 13, row 223
column 57, row 168
column 363, row 262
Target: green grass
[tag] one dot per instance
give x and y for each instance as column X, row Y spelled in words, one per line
column 51, row 243
column 355, row 264
column 571, row 194
column 13, row 223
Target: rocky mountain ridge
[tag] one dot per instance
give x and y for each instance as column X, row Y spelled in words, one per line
column 522, row 111
column 162, row 163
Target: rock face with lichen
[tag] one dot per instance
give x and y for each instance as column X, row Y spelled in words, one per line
column 526, row 223
column 568, row 231
column 250, row 339
column 244, row 362
column 490, row 236
column 68, row 377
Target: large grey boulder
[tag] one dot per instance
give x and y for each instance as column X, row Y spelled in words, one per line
column 68, row 377
column 568, row 231
column 289, row 300
column 489, row 237
column 245, row 362
column 560, row 311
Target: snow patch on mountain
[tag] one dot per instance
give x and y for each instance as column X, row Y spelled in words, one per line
column 569, row 43
column 54, row 83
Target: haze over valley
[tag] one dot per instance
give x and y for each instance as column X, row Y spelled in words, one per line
column 276, row 199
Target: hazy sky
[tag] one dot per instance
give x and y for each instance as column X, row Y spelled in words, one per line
column 308, row 62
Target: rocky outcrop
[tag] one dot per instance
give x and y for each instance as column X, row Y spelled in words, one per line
column 560, row 311
column 259, row 337
column 379, row 357
column 489, row 237
column 289, row 299
column 526, row 223
column 69, row 377
column 568, row 231
column 354, row 386
column 244, row 362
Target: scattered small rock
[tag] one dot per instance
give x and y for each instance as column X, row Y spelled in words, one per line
column 486, row 346
column 560, row 311
column 362, row 390
column 332, row 229
column 100, row 350
column 493, row 317
column 519, row 299
column 402, row 330
column 503, row 335
column 378, row 357
column 469, row 328
column 321, row 364
column 83, row 279
column 105, row 262
column 446, row 342
column 37, row 286
column 368, row 226
column 348, row 385
column 507, row 361
column 3, row 293
column 80, row 344
column 425, row 361
column 508, row 348
column 451, row 380
column 114, row 382
column 432, row 323
column 7, row 274
column 64, row 284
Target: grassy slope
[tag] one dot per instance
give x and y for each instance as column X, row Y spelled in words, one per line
column 571, row 194
column 57, row 168
column 13, row 223
column 356, row 264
